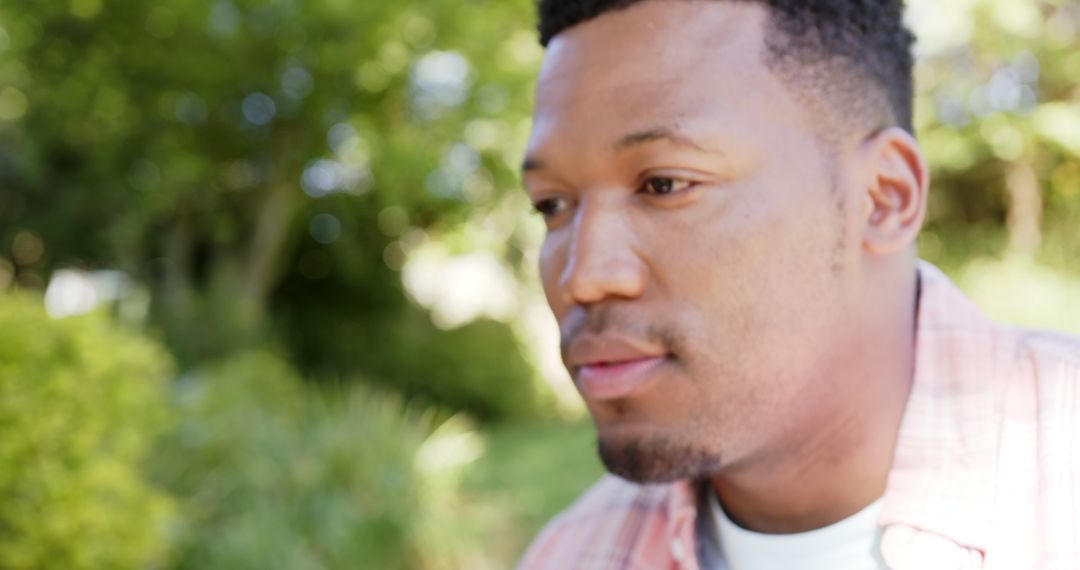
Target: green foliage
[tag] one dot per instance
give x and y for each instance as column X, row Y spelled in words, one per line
column 80, row 405
column 477, row 368
column 1018, row 291
column 276, row 473
column 217, row 149
column 260, row 165
column 999, row 115
column 529, row 474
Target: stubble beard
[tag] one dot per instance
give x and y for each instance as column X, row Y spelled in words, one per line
column 657, row 459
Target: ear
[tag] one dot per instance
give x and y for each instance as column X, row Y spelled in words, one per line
column 895, row 191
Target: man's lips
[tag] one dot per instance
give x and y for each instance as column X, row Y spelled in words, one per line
column 607, row 366
column 612, row 380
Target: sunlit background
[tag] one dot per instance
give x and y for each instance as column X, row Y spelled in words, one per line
column 268, row 295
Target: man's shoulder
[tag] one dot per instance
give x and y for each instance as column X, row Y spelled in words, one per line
column 1043, row 363
column 961, row 351
column 1060, row 348
column 608, row 522
column 960, row 339
column 1037, row 474
column 1053, row 360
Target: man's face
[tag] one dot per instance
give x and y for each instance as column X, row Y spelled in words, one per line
column 696, row 257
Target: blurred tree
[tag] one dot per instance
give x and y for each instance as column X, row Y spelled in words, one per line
column 999, row 116
column 220, row 150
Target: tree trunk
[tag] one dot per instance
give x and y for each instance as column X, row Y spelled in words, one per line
column 266, row 252
column 1025, row 209
column 177, row 292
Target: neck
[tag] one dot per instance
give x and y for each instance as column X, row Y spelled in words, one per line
column 824, row 474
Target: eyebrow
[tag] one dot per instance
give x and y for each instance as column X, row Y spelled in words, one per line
column 656, row 134
column 631, row 140
column 532, row 164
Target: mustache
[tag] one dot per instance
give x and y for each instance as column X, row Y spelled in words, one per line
column 608, row 320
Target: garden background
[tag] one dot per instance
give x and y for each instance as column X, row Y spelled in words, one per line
column 268, row 295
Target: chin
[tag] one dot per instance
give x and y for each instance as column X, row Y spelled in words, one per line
column 655, row 458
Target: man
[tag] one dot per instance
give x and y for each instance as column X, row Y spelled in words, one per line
column 732, row 194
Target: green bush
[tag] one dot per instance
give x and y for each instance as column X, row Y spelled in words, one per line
column 274, row 472
column 80, row 405
column 478, row 368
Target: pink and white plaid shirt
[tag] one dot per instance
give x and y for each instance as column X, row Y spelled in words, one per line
column 986, row 473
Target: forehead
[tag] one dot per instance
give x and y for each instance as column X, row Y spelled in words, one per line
column 658, row 63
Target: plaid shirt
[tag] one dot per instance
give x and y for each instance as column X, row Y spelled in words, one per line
column 986, row 473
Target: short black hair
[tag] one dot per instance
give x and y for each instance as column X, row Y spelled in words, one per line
column 840, row 46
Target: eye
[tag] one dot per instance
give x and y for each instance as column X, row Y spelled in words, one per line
column 661, row 185
column 550, row 207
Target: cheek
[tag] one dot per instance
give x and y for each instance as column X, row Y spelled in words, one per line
column 743, row 270
column 707, row 255
column 552, row 261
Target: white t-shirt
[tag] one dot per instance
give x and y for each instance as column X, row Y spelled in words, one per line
column 851, row 544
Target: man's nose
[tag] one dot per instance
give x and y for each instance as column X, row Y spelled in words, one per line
column 604, row 260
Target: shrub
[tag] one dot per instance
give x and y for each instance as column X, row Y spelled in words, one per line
column 478, row 368
column 275, row 472
column 80, row 405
